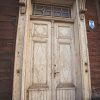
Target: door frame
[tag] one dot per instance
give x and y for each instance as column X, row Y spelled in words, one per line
column 53, row 25
column 21, row 43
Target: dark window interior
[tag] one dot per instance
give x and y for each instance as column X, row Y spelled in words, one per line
column 53, row 11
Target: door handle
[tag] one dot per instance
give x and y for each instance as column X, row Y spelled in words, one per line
column 55, row 73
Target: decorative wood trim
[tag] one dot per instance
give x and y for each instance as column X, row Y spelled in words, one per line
column 82, row 6
column 84, row 55
column 22, row 5
column 85, row 65
column 19, row 52
column 82, row 9
column 56, row 2
column 47, row 18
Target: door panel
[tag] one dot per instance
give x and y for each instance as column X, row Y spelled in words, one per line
column 65, row 63
column 41, row 61
column 63, row 83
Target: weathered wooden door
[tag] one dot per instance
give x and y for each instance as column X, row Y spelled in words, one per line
column 41, row 61
column 52, row 61
column 63, row 57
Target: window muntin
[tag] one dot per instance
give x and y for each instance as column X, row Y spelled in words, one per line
column 53, row 11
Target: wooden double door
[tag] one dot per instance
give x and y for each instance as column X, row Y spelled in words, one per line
column 52, row 61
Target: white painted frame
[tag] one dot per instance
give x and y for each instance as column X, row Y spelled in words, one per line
column 21, row 43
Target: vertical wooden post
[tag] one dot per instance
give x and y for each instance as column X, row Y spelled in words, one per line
column 85, row 66
column 19, row 51
column 85, row 61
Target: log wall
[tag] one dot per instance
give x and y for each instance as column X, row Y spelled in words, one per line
column 8, row 26
column 93, row 44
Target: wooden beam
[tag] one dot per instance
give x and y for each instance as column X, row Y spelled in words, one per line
column 56, row 2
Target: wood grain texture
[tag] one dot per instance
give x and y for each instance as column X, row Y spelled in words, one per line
column 52, row 61
column 93, row 44
column 41, row 60
column 8, row 26
column 63, row 2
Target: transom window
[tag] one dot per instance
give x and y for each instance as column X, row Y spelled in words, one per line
column 53, row 11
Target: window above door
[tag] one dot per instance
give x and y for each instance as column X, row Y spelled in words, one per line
column 51, row 10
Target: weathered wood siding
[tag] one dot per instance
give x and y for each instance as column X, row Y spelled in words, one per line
column 8, row 26
column 94, row 44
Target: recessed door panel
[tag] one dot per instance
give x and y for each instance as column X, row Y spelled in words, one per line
column 65, row 63
column 40, row 30
column 40, row 63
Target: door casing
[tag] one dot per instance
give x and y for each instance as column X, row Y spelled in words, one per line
column 22, row 42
